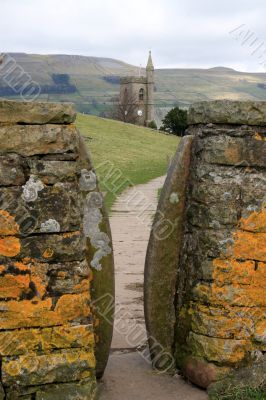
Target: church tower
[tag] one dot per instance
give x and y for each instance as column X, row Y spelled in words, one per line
column 150, row 90
column 137, row 96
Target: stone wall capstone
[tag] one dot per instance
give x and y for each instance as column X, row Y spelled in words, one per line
column 53, row 236
column 219, row 298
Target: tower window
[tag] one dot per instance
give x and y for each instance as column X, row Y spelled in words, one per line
column 141, row 95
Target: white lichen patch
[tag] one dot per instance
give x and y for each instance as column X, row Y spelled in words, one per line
column 87, row 181
column 50, row 226
column 174, row 198
column 91, row 227
column 32, row 188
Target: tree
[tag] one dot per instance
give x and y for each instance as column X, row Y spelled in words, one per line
column 175, row 122
column 125, row 110
column 152, row 125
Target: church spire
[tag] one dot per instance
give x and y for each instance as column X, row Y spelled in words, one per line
column 150, row 66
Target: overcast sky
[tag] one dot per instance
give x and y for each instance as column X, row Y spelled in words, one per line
column 180, row 33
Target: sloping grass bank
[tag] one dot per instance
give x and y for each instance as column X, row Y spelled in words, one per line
column 125, row 154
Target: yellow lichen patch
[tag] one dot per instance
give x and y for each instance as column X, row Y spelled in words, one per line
column 39, row 278
column 221, row 323
column 8, row 225
column 21, row 266
column 9, row 246
column 72, row 306
column 219, row 350
column 48, row 253
column 28, row 313
column 235, row 295
column 258, row 136
column 14, row 286
column 71, row 234
column 256, row 222
column 244, row 273
column 248, row 245
column 82, row 286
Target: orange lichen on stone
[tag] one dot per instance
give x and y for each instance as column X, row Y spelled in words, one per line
column 258, row 136
column 236, row 272
column 82, row 286
column 39, row 278
column 72, row 306
column 21, row 266
column 28, row 313
column 8, row 225
column 25, row 341
column 14, row 286
column 231, row 323
column 48, row 253
column 248, row 246
column 256, row 222
column 9, row 246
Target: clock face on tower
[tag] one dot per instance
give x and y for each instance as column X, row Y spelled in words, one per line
column 140, row 113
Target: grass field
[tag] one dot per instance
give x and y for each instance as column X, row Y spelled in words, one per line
column 125, row 154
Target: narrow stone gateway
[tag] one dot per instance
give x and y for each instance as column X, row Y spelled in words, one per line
column 55, row 258
column 205, row 283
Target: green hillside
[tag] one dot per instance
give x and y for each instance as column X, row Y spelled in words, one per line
column 96, row 81
column 125, row 154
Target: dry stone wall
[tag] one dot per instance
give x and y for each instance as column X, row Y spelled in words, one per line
column 53, row 235
column 219, row 298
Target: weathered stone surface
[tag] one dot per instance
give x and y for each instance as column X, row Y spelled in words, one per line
column 36, row 113
column 85, row 390
column 64, row 366
column 52, row 247
column 51, row 172
column 226, row 150
column 48, row 312
column 102, row 263
column 229, row 323
column 163, row 253
column 25, row 341
column 228, row 112
column 30, row 140
column 212, row 216
column 230, row 351
column 12, row 170
column 52, row 209
column 29, row 279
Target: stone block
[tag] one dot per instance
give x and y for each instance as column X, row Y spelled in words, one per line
column 64, row 366
column 228, row 112
column 15, row 112
column 226, row 150
column 40, row 209
column 51, row 172
column 84, row 390
column 225, row 323
column 12, row 170
column 37, row 313
column 218, row 350
column 30, row 140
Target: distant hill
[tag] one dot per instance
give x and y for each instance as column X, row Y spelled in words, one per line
column 94, row 82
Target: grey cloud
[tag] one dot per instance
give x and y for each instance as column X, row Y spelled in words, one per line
column 191, row 33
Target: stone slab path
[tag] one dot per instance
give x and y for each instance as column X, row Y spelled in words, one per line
column 128, row 375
